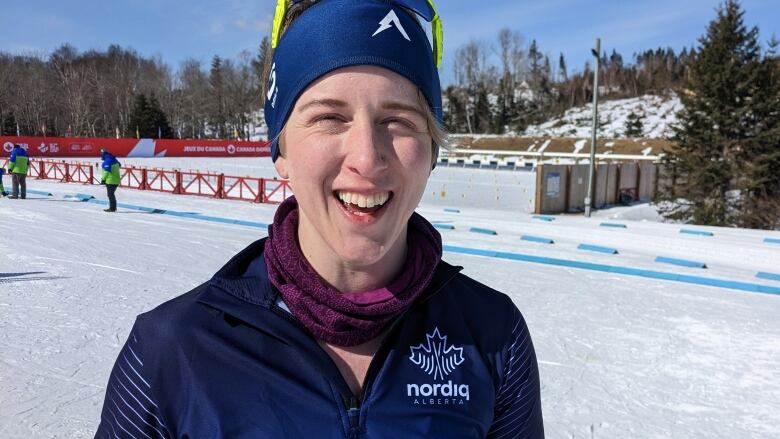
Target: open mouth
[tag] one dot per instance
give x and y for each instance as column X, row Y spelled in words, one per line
column 363, row 205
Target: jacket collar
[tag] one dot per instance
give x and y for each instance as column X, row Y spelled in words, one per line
column 241, row 287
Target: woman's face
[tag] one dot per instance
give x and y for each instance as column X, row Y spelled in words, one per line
column 357, row 152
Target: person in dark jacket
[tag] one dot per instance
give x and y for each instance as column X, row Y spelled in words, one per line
column 17, row 166
column 344, row 322
column 110, row 177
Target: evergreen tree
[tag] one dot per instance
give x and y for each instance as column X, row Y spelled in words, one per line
column 758, row 157
column 258, row 63
column 635, row 126
column 535, row 64
column 725, row 158
column 501, row 113
column 454, row 111
column 563, row 75
column 217, row 118
column 482, row 111
column 162, row 128
column 8, row 126
column 140, row 117
column 148, row 119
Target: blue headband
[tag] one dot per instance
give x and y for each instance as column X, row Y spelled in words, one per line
column 339, row 33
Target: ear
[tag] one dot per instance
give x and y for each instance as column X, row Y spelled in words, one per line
column 281, row 167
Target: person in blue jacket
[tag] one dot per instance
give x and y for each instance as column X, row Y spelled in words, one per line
column 344, row 322
column 110, row 177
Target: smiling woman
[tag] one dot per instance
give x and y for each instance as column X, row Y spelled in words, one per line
column 357, row 153
column 344, row 322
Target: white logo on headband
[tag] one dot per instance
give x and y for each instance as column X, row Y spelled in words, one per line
column 387, row 22
column 273, row 90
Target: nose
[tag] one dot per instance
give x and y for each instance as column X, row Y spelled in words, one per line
column 367, row 149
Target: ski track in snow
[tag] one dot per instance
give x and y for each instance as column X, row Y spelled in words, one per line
column 91, row 264
column 619, row 356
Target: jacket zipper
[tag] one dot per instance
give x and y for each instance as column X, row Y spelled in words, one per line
column 356, row 402
column 353, row 412
column 351, row 401
column 354, row 405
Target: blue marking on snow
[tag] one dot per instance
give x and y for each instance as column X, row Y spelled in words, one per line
column 629, row 271
column 770, row 276
column 696, row 232
column 538, row 239
column 80, row 197
column 250, row 224
column 180, row 214
column 188, row 215
column 34, row 192
column 772, row 240
column 127, row 206
column 597, row 248
column 544, row 217
column 483, row 231
column 617, row 225
column 680, row 262
column 443, row 226
column 450, row 210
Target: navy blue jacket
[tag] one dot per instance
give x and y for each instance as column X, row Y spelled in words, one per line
column 227, row 360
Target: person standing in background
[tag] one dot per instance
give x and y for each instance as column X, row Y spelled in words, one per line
column 2, row 189
column 110, row 178
column 17, row 167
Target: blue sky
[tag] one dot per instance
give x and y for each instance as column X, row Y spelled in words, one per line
column 180, row 29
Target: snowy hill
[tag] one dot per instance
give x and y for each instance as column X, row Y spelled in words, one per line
column 659, row 113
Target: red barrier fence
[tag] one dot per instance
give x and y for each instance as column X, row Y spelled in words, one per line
column 46, row 147
column 206, row 184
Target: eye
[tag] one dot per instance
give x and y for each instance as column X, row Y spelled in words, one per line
column 326, row 119
column 329, row 123
column 400, row 122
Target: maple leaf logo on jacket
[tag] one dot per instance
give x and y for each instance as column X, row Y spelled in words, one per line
column 436, row 358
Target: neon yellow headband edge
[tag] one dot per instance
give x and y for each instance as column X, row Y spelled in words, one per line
column 437, row 30
column 281, row 11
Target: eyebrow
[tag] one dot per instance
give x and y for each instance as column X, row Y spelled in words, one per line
column 335, row 103
column 323, row 103
column 394, row 105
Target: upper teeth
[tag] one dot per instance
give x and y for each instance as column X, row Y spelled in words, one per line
column 364, row 200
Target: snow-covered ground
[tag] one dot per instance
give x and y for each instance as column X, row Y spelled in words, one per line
column 620, row 356
column 658, row 114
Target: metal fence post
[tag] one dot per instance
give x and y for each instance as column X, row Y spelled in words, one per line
column 144, row 179
column 220, row 186
column 177, row 189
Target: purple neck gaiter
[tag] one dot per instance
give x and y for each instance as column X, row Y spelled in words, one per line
column 329, row 314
